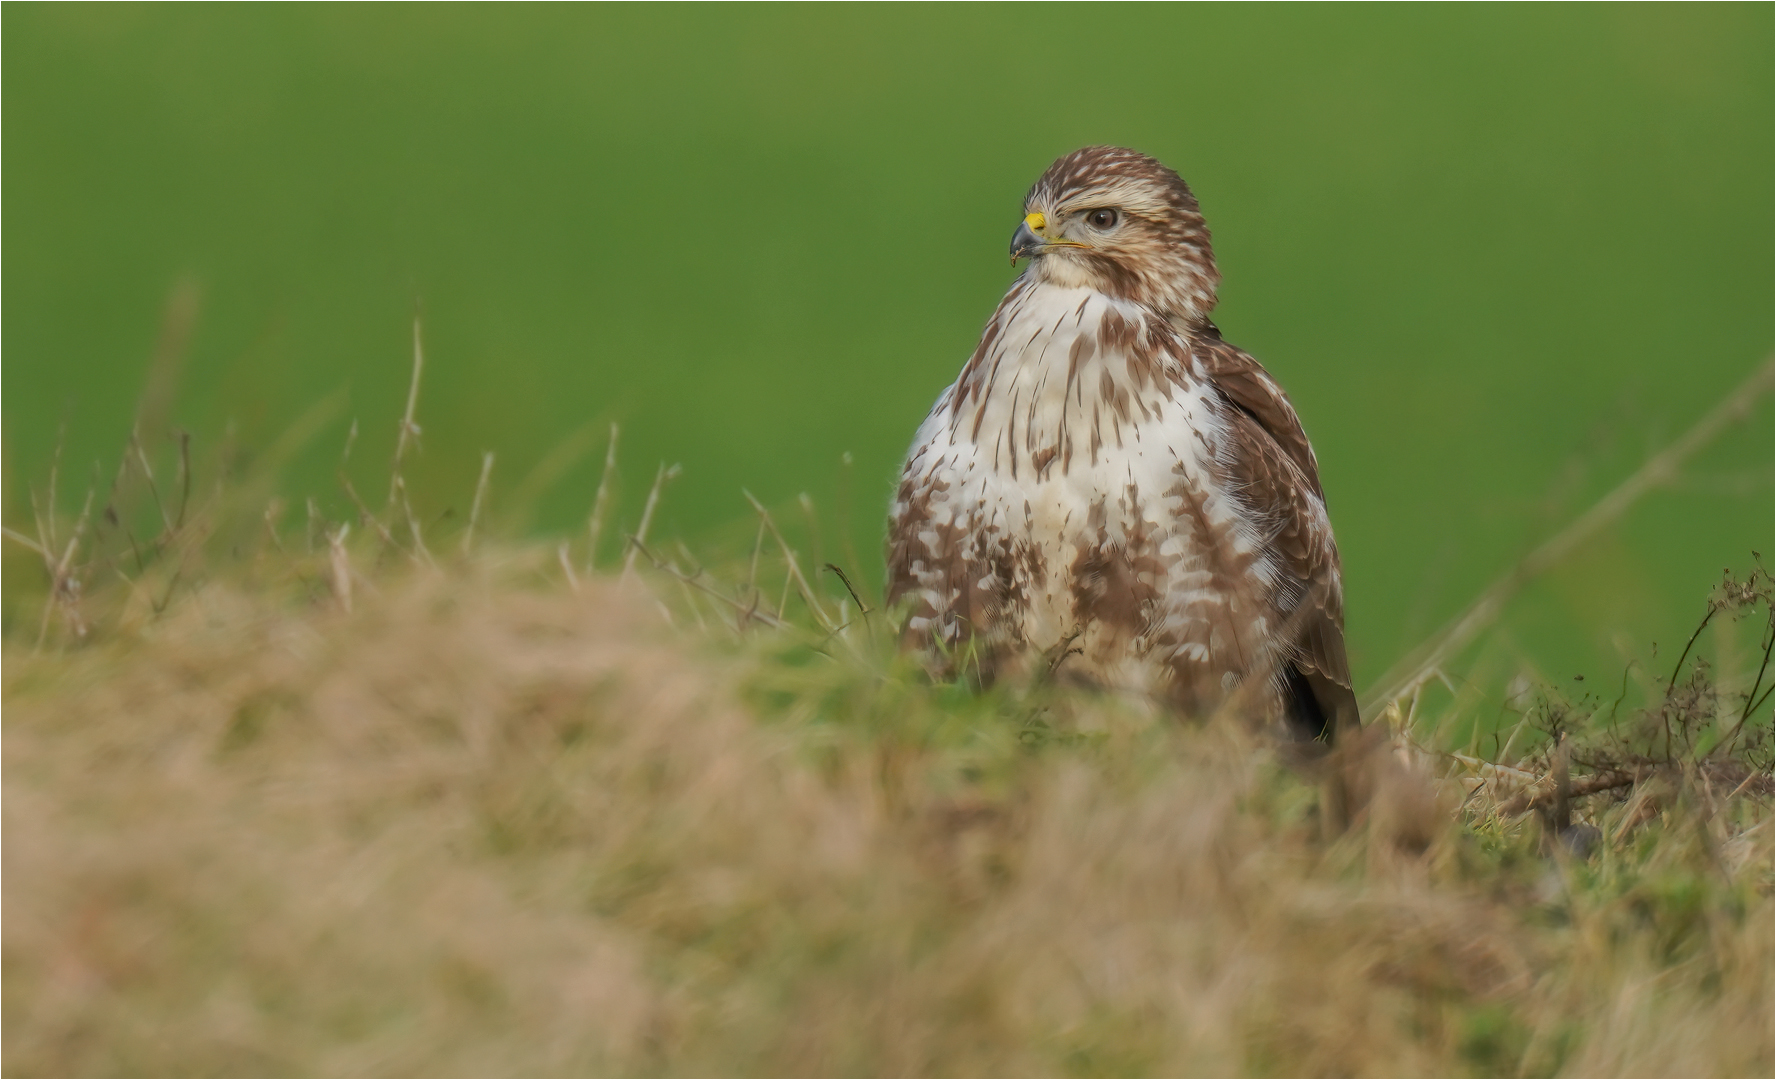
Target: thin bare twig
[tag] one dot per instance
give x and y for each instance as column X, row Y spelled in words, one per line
column 339, row 562
column 273, row 511
column 795, row 568
column 314, row 519
column 1490, row 603
column 63, row 590
column 600, row 501
column 847, row 546
column 370, row 519
column 1549, row 791
column 468, row 541
column 813, row 520
column 47, row 521
column 691, row 597
column 573, row 580
column 166, row 522
column 758, row 546
column 647, row 512
column 409, row 429
column 1763, row 668
column 421, row 553
column 1671, row 684
column 20, row 538
column 171, row 348
column 1482, row 765
column 184, row 478
column 746, row 611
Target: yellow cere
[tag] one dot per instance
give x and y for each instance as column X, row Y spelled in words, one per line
column 1035, row 222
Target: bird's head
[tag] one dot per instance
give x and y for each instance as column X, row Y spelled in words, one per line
column 1120, row 222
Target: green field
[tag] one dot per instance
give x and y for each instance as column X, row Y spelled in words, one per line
column 322, row 757
column 1497, row 255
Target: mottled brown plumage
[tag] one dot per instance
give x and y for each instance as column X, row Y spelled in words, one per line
column 1110, row 492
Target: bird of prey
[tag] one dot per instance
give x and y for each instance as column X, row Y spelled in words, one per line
column 1110, row 493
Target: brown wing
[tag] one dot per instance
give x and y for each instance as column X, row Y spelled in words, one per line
column 1278, row 476
column 1244, row 383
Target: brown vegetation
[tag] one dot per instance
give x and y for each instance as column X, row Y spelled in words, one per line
column 321, row 799
column 477, row 826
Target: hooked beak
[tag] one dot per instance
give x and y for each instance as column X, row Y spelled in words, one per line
column 1025, row 243
column 1028, row 241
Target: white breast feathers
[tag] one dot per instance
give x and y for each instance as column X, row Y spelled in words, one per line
column 1067, row 507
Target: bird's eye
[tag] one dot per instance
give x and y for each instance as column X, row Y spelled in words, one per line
column 1102, row 219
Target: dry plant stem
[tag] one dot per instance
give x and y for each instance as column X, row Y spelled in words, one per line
column 862, row 608
column 813, row 524
column 1546, row 791
column 421, row 553
column 758, row 546
column 468, row 541
column 795, row 568
column 409, row 430
column 60, row 592
column 339, row 562
column 397, row 496
column 184, row 478
column 647, row 513
column 1671, row 683
column 1752, row 698
column 313, row 524
column 1487, row 606
column 371, row 519
column 273, row 511
column 751, row 589
column 1563, row 793
column 847, row 546
column 745, row 611
column 46, row 519
column 113, row 496
column 600, row 501
column 43, row 545
column 572, row 814
column 1504, row 753
column 20, row 538
column 148, row 474
column 171, row 348
column 691, row 597
column 573, row 581
column 1484, row 766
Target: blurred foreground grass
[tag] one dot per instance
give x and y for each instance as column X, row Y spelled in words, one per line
column 289, row 795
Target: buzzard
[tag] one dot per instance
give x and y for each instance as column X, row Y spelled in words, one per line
column 1112, row 494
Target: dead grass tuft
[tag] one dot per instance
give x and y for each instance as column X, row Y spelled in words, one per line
column 471, row 826
column 338, row 805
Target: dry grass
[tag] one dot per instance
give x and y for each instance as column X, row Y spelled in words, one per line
column 327, row 800
column 477, row 825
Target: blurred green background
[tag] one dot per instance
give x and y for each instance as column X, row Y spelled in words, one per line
column 1496, row 254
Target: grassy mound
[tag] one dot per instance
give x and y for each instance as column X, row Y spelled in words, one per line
column 463, row 818
column 353, row 797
